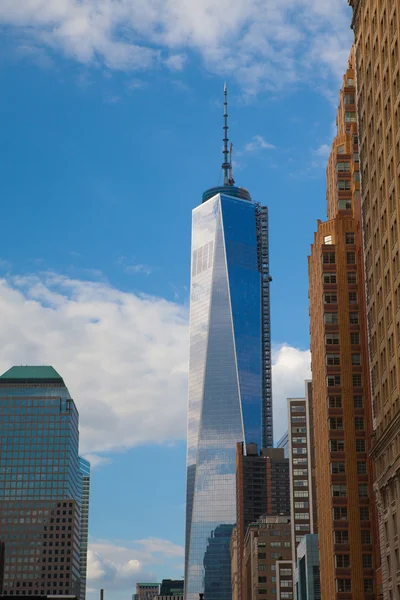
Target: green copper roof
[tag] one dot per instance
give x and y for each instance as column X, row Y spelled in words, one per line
column 27, row 373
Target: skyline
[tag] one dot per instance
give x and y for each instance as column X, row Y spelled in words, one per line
column 65, row 296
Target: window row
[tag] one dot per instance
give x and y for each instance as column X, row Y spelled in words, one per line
column 336, row 380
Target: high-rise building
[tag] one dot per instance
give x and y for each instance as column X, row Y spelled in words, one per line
column 84, row 466
column 262, row 488
column 172, row 587
column 267, row 541
column 340, row 374
column 376, row 27
column 40, row 497
column 146, row 591
column 229, row 369
column 2, row 561
column 284, row 443
column 284, row 580
column 307, row 580
column 302, row 468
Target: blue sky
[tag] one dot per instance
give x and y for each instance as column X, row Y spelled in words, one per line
column 111, row 117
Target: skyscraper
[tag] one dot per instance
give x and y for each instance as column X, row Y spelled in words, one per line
column 340, row 374
column 230, row 396
column 84, row 466
column 40, row 488
column 376, row 25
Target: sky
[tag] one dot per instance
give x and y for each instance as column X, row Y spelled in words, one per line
column 111, row 129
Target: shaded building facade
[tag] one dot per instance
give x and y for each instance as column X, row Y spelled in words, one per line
column 229, row 371
column 40, row 498
column 376, row 27
column 340, row 374
column 284, row 443
column 84, row 466
column 307, row 581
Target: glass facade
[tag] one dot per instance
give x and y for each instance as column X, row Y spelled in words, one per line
column 84, row 466
column 40, row 483
column 225, row 382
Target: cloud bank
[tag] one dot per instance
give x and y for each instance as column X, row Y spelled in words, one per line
column 263, row 44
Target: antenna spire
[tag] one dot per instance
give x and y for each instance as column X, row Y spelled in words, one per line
column 227, row 164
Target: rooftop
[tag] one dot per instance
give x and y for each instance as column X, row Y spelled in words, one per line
column 31, row 374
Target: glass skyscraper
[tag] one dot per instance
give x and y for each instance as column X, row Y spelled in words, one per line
column 229, row 373
column 40, row 484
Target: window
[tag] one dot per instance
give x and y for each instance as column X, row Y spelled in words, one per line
column 343, row 585
column 328, row 240
column 330, row 298
column 342, row 561
column 286, row 583
column 340, row 513
column 365, row 536
column 298, row 408
column 328, row 258
column 360, row 445
column 363, row 490
column 262, row 555
column 350, row 117
column 359, row 423
column 351, row 277
column 262, row 579
column 339, row 490
column 367, row 561
column 356, row 157
column 333, row 360
column 286, row 544
column 349, row 98
column 336, row 423
column 351, row 258
column 355, row 338
column 343, row 167
column 275, row 544
column 340, row 149
column 302, row 516
column 331, row 318
column 335, row 401
column 273, row 567
column 333, row 380
column 301, row 483
column 299, row 450
column 299, row 440
column 300, row 461
column 349, row 237
column 352, row 297
column 332, row 338
column 364, row 513
column 336, row 445
column 353, row 318
column 301, row 504
column 344, row 184
column 275, row 555
column 368, row 585
column 329, row 278
column 301, row 494
column 344, row 204
column 338, row 468
column 300, row 473
column 361, row 467
column 357, row 380
column 356, row 359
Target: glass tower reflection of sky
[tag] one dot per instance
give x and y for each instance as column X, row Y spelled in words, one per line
column 225, row 376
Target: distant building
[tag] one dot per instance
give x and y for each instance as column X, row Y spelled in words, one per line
column 307, row 579
column 267, row 541
column 2, row 559
column 172, row 587
column 234, row 565
column 262, row 488
column 146, row 591
column 284, row 443
column 284, row 580
column 39, row 435
column 84, row 466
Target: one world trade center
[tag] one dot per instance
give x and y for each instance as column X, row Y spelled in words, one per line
column 230, row 397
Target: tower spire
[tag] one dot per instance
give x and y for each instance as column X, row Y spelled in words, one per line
column 227, row 164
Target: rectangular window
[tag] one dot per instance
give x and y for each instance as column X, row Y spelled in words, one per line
column 342, row 561
column 300, row 483
column 344, row 204
column 336, row 423
column 360, row 445
column 342, row 537
column 361, row 467
column 340, row 149
column 355, row 338
column 349, row 99
column 300, row 473
column 299, row 440
column 333, row 380
column 343, row 585
column 338, row 468
column 356, row 157
column 351, row 277
column 353, row 318
column 336, row 445
column 302, row 516
column 351, row 258
column 339, row 490
column 301, row 494
column 333, row 360
column 367, row 561
column 356, row 176
column 350, row 117
column 352, row 297
column 328, row 258
column 364, row 513
column 328, row 240
column 363, row 490
column 344, row 184
column 332, row 338
column 330, row 298
column 343, row 167
column 349, row 237
column 275, row 544
column 299, row 450
column 368, row 586
column 298, row 408
column 340, row 513
column 365, row 537
column 329, row 278
column 359, row 423
column 335, row 401
column 331, row 318
column 301, row 504
column 356, row 359
column 357, row 382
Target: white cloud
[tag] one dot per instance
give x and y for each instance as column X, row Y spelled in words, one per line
column 97, row 461
column 262, row 44
column 291, row 367
column 119, row 565
column 323, row 151
column 258, row 143
column 131, row 266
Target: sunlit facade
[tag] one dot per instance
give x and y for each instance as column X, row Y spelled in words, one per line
column 226, row 377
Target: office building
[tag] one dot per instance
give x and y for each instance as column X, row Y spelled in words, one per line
column 340, row 374
column 284, row 580
column 84, row 466
column 262, row 488
column 284, row 443
column 39, row 483
column 146, row 591
column 302, row 468
column 307, row 580
column 172, row 587
column 229, row 370
column 267, row 541
column 376, row 27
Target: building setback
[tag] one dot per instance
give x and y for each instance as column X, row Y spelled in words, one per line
column 376, row 25
column 40, row 484
column 340, row 374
